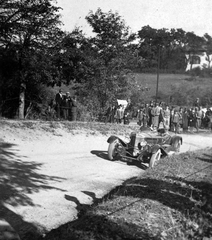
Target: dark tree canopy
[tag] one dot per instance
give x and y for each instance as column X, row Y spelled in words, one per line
column 29, row 31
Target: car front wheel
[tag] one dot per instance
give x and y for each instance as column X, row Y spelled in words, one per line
column 155, row 158
column 112, row 153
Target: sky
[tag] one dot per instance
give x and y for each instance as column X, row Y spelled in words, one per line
column 190, row 15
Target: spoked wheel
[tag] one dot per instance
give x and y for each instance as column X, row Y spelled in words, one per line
column 155, row 158
column 112, row 153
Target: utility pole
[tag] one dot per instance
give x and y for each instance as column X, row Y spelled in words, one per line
column 158, row 70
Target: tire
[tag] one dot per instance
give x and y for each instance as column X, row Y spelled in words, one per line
column 155, row 158
column 112, row 154
column 176, row 145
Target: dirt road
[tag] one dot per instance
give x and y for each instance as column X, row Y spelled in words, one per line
column 47, row 178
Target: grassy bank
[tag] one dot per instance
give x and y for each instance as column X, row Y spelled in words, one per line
column 168, row 83
column 93, row 128
column 171, row 201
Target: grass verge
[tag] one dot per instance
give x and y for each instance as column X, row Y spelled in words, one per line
column 93, row 128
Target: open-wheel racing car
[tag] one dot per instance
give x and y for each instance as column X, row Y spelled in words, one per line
column 146, row 147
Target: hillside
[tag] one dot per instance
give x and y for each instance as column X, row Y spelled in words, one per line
column 168, row 83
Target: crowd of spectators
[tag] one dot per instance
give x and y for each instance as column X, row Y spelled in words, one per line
column 156, row 115
column 119, row 113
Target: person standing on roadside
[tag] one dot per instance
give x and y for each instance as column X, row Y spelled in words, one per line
column 181, row 118
column 58, row 101
column 149, row 124
column 157, row 112
column 118, row 114
column 152, row 116
column 192, row 120
column 198, row 114
column 66, row 106
column 166, row 117
column 74, row 108
column 176, row 121
column 146, row 116
column 108, row 114
column 171, row 127
column 140, row 117
column 209, row 117
column 185, row 116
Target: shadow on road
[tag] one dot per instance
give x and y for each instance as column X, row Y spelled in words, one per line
column 81, row 207
column 101, row 154
column 104, row 155
column 20, row 178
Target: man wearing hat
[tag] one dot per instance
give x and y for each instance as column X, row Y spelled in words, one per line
column 58, row 100
column 67, row 106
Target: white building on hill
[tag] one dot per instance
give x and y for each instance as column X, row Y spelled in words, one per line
column 200, row 59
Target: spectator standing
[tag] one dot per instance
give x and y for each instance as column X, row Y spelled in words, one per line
column 126, row 116
column 74, row 108
column 203, row 120
column 149, row 110
column 180, row 119
column 161, row 117
column 185, row 115
column 145, row 116
column 166, row 116
column 108, row 114
column 152, row 115
column 171, row 119
column 66, row 106
column 140, row 117
column 58, row 101
column 157, row 111
column 209, row 117
column 198, row 114
column 118, row 114
column 176, row 121
column 192, row 120
column 113, row 113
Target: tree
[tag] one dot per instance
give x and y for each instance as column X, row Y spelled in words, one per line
column 29, row 30
column 170, row 43
column 208, row 46
column 112, row 56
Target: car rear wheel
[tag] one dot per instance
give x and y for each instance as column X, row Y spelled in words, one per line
column 176, row 145
column 155, row 158
column 112, row 153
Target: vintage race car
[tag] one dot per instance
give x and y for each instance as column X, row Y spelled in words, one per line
column 146, row 147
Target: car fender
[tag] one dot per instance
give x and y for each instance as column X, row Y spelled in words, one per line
column 155, row 148
column 113, row 138
column 176, row 138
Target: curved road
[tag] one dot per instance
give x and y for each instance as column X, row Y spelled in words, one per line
column 61, row 174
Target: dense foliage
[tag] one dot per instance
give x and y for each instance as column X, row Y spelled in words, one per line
column 35, row 52
column 29, row 31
